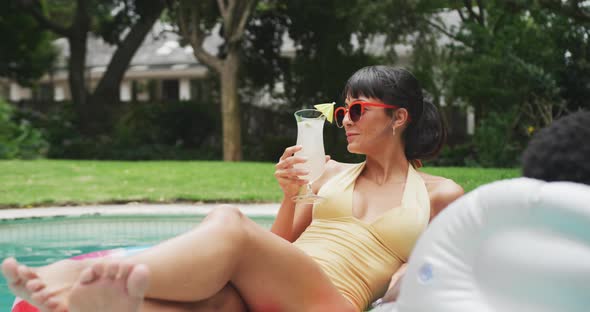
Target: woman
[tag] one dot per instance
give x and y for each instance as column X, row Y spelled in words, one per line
column 336, row 256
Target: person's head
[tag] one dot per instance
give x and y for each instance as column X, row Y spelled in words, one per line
column 413, row 121
column 560, row 151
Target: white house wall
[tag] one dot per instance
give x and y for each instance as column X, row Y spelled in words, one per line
column 184, row 89
column 125, row 91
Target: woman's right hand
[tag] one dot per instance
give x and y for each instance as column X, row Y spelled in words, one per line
column 289, row 176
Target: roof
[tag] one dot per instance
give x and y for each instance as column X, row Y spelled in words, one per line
column 161, row 47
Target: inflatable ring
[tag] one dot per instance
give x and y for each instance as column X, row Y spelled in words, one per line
column 514, row 245
column 21, row 305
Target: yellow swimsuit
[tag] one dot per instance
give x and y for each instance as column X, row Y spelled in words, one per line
column 360, row 258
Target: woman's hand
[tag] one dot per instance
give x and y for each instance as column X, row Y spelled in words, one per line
column 288, row 176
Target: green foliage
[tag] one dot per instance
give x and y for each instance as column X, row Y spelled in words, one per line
column 494, row 143
column 192, row 127
column 326, row 56
column 111, row 19
column 144, row 131
column 511, row 60
column 18, row 139
column 263, row 64
column 459, row 155
column 174, row 130
column 518, row 63
column 26, row 52
column 324, row 51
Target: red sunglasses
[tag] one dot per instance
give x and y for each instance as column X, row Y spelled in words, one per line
column 356, row 110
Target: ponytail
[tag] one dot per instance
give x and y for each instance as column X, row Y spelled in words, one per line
column 425, row 137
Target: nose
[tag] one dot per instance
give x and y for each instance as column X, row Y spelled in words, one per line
column 346, row 121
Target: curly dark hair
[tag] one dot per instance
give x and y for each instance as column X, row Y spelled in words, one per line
column 561, row 151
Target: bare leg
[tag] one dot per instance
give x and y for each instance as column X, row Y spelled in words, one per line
column 227, row 247
column 269, row 272
column 226, row 300
column 119, row 287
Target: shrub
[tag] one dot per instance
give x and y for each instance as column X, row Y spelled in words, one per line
column 495, row 143
column 18, row 138
column 170, row 130
column 457, row 156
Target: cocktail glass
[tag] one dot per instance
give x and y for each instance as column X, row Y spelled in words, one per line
column 310, row 135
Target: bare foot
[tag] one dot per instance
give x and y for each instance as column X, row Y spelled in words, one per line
column 26, row 284
column 45, row 288
column 114, row 286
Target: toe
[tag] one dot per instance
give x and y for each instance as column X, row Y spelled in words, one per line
column 52, row 304
column 10, row 269
column 40, row 297
column 35, row 285
column 138, row 280
column 55, row 305
column 25, row 273
column 98, row 268
column 124, row 270
column 112, row 269
column 88, row 276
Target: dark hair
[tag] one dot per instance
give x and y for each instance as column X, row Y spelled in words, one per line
column 560, row 152
column 427, row 132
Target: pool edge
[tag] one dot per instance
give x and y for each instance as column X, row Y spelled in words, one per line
column 254, row 210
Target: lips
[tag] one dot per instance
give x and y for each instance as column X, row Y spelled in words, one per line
column 350, row 136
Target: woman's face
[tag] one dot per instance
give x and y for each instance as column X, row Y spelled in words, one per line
column 371, row 131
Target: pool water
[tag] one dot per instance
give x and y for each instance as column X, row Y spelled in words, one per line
column 40, row 241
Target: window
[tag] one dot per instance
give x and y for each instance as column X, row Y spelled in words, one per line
column 170, row 89
column 43, row 92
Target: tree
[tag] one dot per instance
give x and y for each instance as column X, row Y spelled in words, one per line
column 515, row 61
column 26, row 54
column 333, row 41
column 126, row 28
column 198, row 19
column 330, row 41
column 519, row 63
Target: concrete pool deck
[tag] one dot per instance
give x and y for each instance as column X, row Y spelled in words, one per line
column 256, row 210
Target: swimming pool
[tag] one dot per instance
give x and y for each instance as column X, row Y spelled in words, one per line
column 39, row 241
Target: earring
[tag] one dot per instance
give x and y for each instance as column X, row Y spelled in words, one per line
column 394, row 131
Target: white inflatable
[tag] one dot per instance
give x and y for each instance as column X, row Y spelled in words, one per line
column 516, row 245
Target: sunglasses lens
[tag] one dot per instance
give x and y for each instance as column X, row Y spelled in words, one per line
column 355, row 112
column 339, row 116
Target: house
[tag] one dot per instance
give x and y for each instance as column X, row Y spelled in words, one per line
column 161, row 69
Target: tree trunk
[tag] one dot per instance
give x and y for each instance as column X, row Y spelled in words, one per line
column 106, row 95
column 234, row 16
column 230, row 109
column 77, row 38
column 76, row 66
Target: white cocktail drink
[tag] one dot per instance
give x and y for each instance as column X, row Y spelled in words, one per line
column 310, row 135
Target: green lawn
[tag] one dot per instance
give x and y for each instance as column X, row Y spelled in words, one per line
column 60, row 182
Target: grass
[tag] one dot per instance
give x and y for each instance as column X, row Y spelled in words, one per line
column 66, row 182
